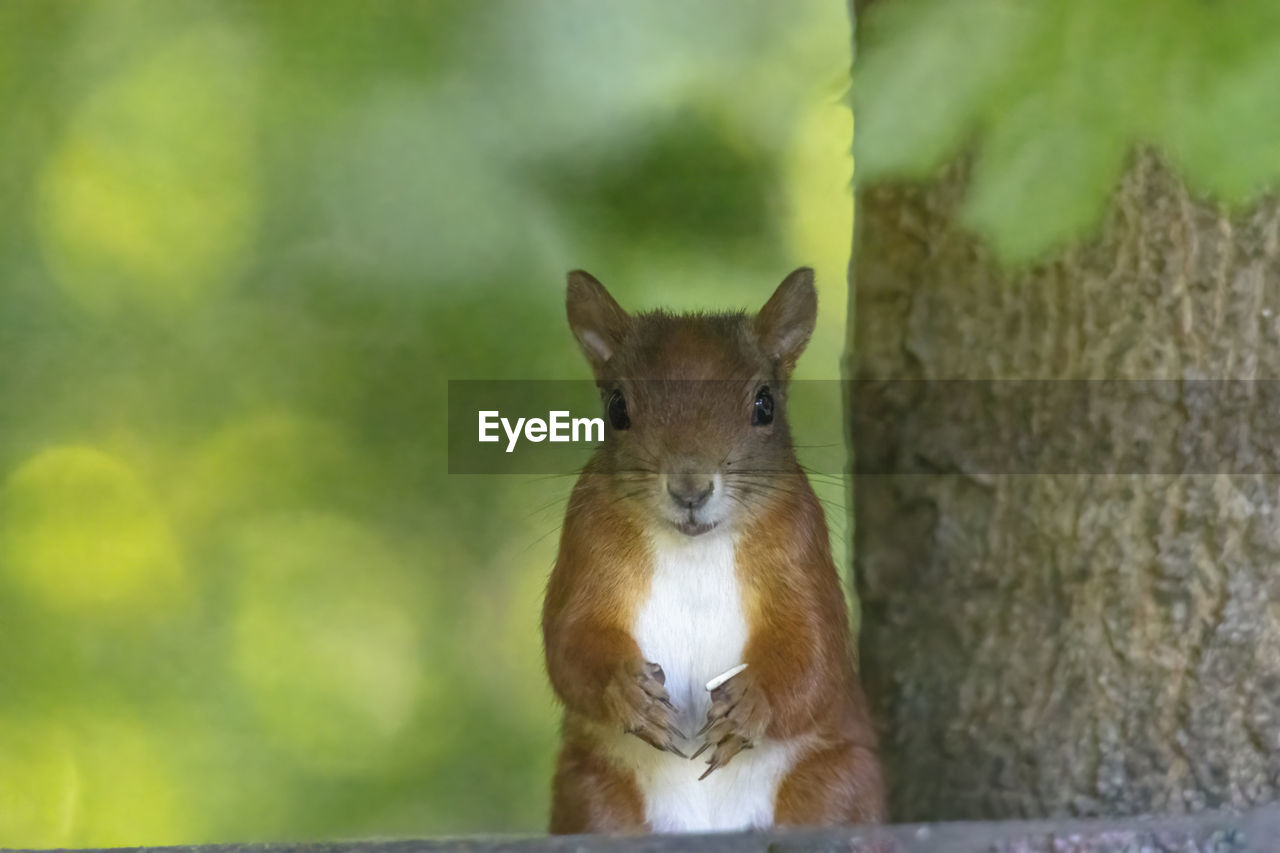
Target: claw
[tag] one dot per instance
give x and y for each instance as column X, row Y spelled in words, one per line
column 718, row 732
column 656, row 742
column 655, row 691
column 701, row 750
column 702, row 731
column 656, row 673
column 726, row 749
column 675, row 732
column 647, row 738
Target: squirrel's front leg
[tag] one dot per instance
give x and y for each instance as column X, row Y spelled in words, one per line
column 737, row 719
column 636, row 698
column 775, row 696
column 600, row 673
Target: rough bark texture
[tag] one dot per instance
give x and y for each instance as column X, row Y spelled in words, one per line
column 1072, row 642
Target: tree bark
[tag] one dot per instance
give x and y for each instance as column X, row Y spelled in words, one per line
column 1099, row 638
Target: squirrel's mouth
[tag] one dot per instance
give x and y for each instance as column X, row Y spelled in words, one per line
column 690, row 527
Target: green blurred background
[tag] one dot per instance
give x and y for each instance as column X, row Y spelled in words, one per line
column 243, row 246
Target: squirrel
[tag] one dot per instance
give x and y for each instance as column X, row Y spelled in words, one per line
column 694, row 608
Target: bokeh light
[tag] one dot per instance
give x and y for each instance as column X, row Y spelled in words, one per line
column 149, row 199
column 327, row 638
column 242, row 250
column 79, row 531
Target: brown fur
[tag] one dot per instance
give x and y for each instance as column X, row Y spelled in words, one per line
column 800, row 655
column 689, row 383
column 591, row 795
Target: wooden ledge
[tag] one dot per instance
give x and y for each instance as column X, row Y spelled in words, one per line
column 1254, row 832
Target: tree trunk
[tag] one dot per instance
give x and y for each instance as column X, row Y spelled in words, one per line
column 1099, row 636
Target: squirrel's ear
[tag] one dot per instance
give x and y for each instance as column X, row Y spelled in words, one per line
column 786, row 321
column 598, row 322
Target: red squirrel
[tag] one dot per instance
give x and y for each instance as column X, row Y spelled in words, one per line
column 693, row 544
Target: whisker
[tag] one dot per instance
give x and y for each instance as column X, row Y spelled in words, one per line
column 531, row 545
column 543, row 508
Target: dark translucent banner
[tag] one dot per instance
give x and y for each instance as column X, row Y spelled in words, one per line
column 553, row 427
column 997, row 427
column 970, row 427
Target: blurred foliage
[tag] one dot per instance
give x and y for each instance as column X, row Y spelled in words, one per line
column 243, row 247
column 1054, row 95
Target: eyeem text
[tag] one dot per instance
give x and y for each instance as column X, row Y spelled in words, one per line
column 558, row 427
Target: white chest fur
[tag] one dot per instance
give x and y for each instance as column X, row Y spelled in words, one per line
column 693, row 626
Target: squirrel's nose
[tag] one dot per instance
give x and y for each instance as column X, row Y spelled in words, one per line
column 690, row 491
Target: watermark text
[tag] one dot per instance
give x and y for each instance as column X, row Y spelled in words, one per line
column 557, row 427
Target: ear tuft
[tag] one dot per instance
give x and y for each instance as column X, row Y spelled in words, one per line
column 597, row 321
column 786, row 321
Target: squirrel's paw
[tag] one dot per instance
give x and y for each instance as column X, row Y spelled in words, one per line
column 636, row 697
column 737, row 718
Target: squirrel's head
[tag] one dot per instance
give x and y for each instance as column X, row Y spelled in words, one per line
column 695, row 405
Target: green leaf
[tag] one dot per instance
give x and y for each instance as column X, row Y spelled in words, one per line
column 1223, row 130
column 920, row 84
column 1055, row 141
column 1053, row 97
column 1042, row 177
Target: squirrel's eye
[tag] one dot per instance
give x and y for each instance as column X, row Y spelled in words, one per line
column 763, row 412
column 617, row 408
